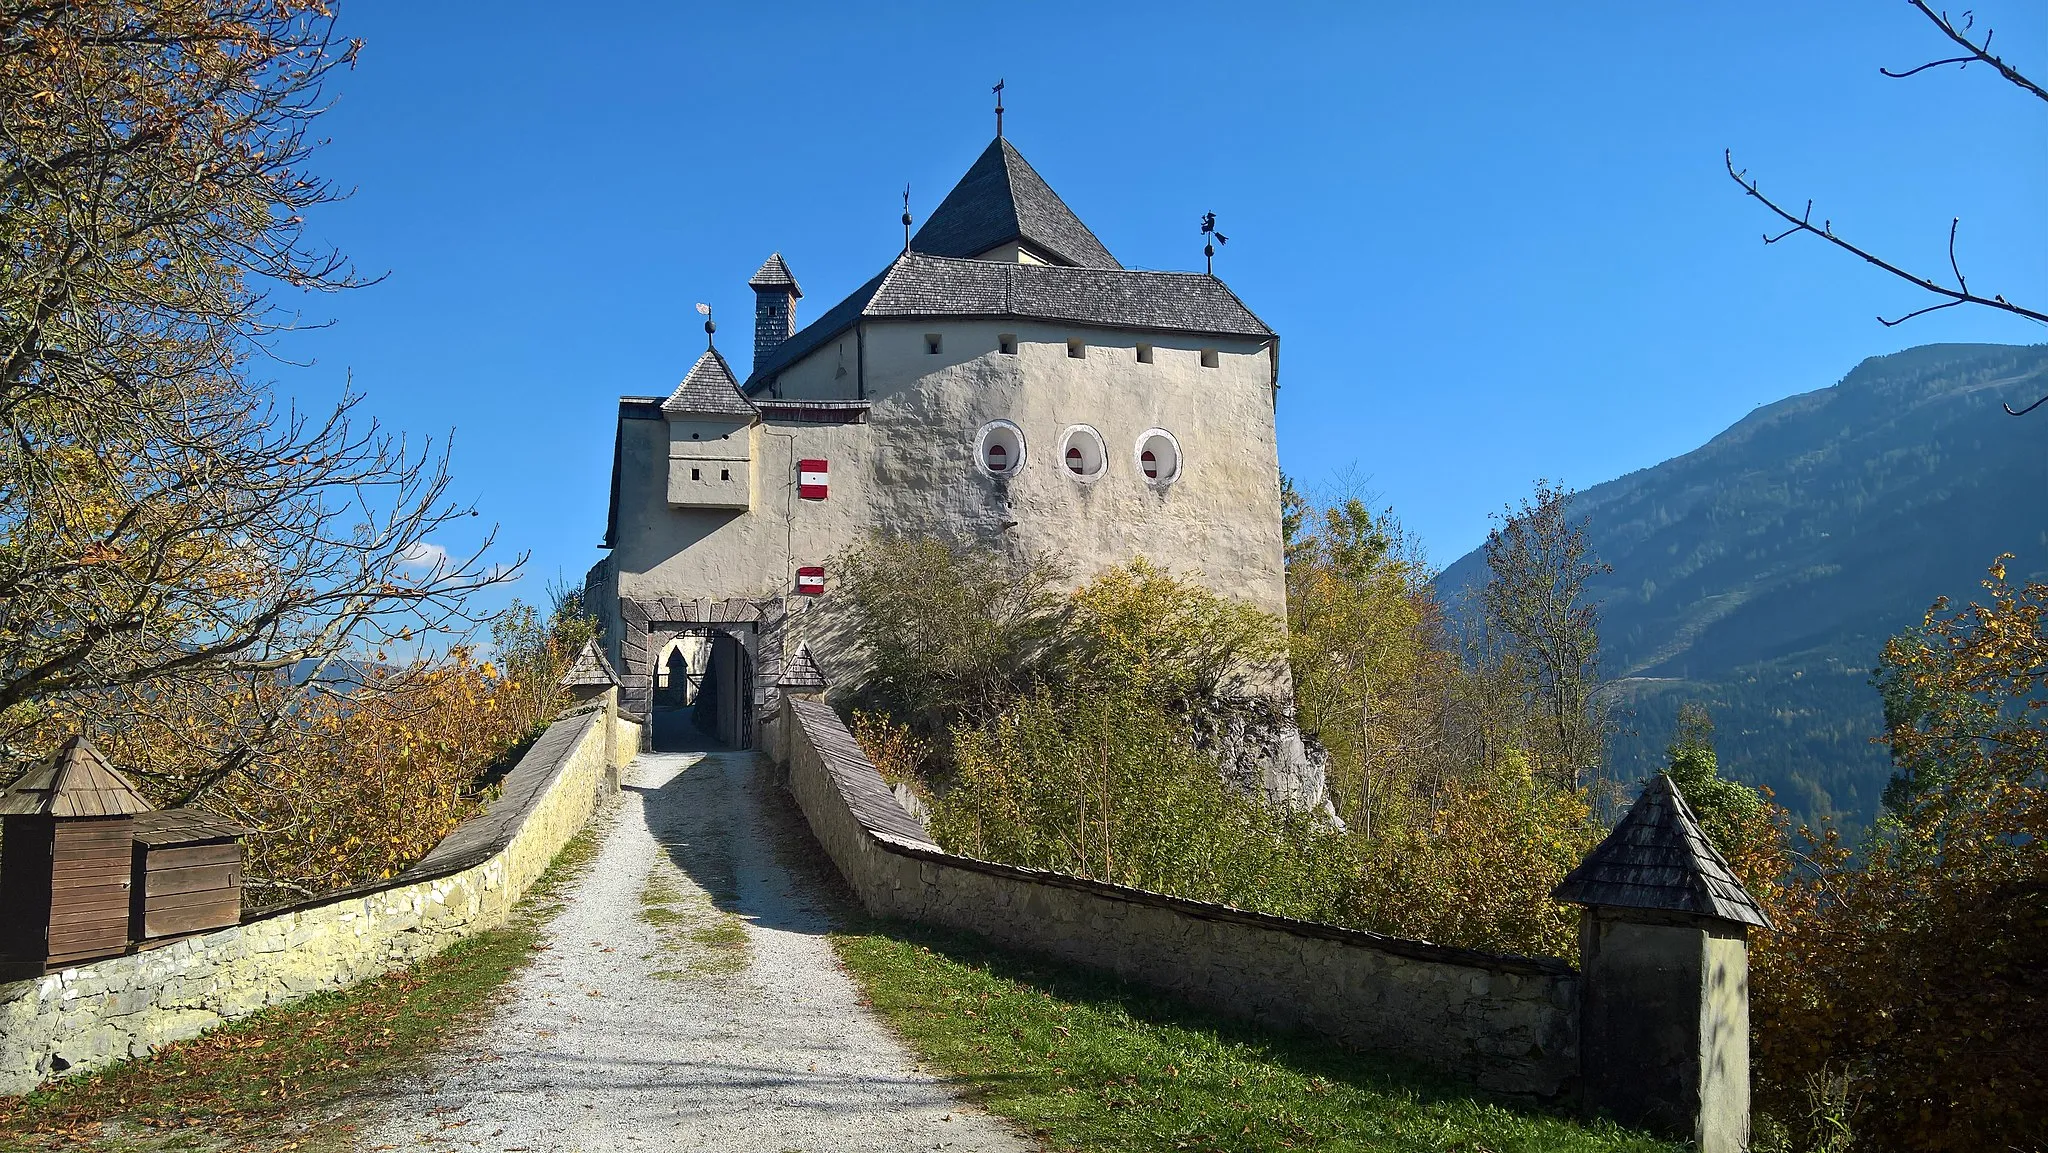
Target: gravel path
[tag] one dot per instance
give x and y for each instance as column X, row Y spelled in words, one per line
column 687, row 1000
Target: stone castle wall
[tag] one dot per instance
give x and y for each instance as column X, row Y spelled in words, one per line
column 1508, row 1024
column 85, row 1017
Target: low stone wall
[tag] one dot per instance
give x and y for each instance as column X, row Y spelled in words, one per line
column 1508, row 1024
column 88, row 1016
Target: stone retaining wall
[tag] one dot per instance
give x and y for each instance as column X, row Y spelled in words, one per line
column 1506, row 1023
column 88, row 1016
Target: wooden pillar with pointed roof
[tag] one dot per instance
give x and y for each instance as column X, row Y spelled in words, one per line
column 1664, row 976
column 66, row 860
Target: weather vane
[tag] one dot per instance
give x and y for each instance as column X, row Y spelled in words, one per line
column 710, row 326
column 906, row 218
column 1208, row 249
column 998, row 90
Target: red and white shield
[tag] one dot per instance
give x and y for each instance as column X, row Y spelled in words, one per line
column 810, row 479
column 810, row 580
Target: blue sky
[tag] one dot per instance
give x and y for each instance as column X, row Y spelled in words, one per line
column 1496, row 238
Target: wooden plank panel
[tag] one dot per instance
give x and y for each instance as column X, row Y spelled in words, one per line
column 93, row 833
column 87, row 949
column 189, row 920
column 91, row 915
column 186, row 856
column 195, row 878
column 79, row 895
column 120, row 852
column 188, row 900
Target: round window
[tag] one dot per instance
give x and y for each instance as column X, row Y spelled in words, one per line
column 1082, row 454
column 999, row 450
column 1158, row 457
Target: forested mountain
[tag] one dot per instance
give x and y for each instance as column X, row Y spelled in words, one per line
column 1760, row 574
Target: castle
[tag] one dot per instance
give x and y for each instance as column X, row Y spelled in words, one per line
column 1003, row 379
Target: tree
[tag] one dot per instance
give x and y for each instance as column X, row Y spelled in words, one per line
column 1726, row 808
column 953, row 632
column 1969, row 50
column 177, row 547
column 1535, row 600
column 1917, row 977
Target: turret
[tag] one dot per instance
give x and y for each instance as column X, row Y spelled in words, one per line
column 775, row 297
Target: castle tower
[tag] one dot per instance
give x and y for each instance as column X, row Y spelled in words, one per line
column 775, row 297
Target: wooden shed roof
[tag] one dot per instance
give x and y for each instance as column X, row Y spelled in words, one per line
column 1659, row 858
column 77, row 782
column 184, row 826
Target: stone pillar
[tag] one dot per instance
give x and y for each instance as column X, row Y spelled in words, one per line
column 1664, row 1025
column 1664, row 977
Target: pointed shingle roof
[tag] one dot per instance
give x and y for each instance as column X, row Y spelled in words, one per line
column 801, row 672
column 775, row 274
column 1659, row 858
column 1003, row 199
column 77, row 782
column 709, row 390
column 590, row 669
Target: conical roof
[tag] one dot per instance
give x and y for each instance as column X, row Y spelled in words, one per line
column 1659, row 858
column 801, row 672
column 77, row 782
column 590, row 669
column 1003, row 199
column 775, row 274
column 709, row 390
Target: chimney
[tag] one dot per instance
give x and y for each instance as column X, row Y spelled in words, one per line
column 775, row 297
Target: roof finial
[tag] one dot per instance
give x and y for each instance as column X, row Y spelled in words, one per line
column 906, row 218
column 1208, row 249
column 710, row 326
column 998, row 90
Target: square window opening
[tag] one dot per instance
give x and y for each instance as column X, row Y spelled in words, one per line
column 931, row 344
column 1078, row 349
column 1007, row 344
column 1144, row 354
column 696, row 474
column 1209, row 358
column 725, row 474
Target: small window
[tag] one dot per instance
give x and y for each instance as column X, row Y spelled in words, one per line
column 1078, row 349
column 725, row 474
column 1144, row 354
column 931, row 343
column 696, row 474
column 1007, row 344
column 1158, row 457
column 695, row 435
column 1208, row 358
column 1081, row 451
column 999, row 449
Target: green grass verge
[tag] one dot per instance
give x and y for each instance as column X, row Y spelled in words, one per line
column 298, row 1076
column 1083, row 1062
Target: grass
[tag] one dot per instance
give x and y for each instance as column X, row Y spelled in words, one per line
column 704, row 940
column 1083, row 1062
column 293, row 1077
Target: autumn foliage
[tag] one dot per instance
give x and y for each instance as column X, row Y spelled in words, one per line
column 1911, row 986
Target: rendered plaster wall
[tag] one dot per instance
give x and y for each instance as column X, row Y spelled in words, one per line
column 912, row 468
column 85, row 1017
column 1508, row 1024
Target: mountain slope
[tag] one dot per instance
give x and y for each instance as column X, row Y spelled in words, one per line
column 1761, row 573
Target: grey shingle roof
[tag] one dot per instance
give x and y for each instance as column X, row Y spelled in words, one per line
column 590, row 669
column 918, row 285
column 77, row 782
column 1658, row 858
column 801, row 672
column 184, row 826
column 1001, row 199
column 775, row 274
column 709, row 390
